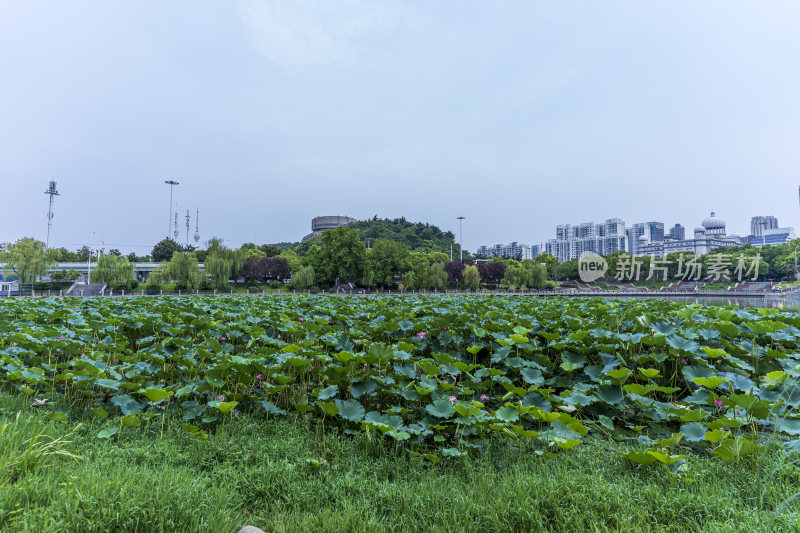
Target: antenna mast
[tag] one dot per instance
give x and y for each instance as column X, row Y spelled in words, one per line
column 188, row 218
column 51, row 192
column 176, row 233
column 197, row 227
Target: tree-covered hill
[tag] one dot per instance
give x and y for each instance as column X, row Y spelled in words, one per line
column 419, row 236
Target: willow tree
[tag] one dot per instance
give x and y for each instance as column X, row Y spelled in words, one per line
column 183, row 269
column 222, row 263
column 113, row 270
column 219, row 268
column 303, row 279
column 471, row 276
column 437, row 277
column 28, row 259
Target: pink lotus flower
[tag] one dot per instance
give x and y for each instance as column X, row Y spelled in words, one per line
column 718, row 403
column 222, row 339
column 220, row 398
column 683, row 360
column 61, row 338
column 83, row 355
column 279, row 335
column 421, row 335
column 452, row 400
column 484, row 398
column 260, row 377
column 738, row 412
column 301, row 319
column 319, row 383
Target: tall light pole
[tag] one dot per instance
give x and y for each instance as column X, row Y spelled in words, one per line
column 460, row 239
column 171, row 184
column 51, row 191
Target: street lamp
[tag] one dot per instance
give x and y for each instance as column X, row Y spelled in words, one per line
column 171, row 184
column 460, row 239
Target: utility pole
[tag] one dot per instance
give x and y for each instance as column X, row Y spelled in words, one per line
column 171, row 184
column 460, row 239
column 51, row 191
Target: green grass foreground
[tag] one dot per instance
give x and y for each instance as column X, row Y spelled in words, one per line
column 262, row 472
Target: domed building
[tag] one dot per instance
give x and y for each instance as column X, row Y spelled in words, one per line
column 710, row 234
column 714, row 225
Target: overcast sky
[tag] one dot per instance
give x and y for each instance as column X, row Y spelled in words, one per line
column 517, row 115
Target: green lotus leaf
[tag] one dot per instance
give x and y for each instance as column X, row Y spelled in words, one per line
column 328, row 392
column 112, row 384
column 157, row 395
column 108, row 432
column 440, row 408
column 350, row 410
column 131, row 421
column 663, row 458
column 645, row 459
column 271, row 408
column 732, row 450
column 508, row 413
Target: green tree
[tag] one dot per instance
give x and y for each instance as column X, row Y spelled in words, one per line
column 62, row 255
column 65, row 275
column 83, row 254
column 538, row 276
column 339, row 254
column 219, row 268
column 219, row 255
column 302, row 279
column 270, row 250
column 525, row 275
column 295, row 263
column 568, row 269
column 113, row 270
column 417, row 270
column 28, row 259
column 514, row 277
column 368, row 279
column 183, row 269
column 437, row 277
column 550, row 262
column 471, row 276
column 387, row 259
column 164, row 249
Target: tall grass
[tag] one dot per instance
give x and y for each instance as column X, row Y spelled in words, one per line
column 281, row 476
column 21, row 454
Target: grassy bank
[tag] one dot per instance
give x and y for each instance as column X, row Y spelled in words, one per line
column 265, row 473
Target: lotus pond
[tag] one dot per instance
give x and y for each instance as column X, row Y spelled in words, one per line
column 440, row 375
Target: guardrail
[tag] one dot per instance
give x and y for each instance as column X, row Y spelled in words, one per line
column 546, row 293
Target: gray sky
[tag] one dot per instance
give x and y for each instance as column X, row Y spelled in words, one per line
column 518, row 115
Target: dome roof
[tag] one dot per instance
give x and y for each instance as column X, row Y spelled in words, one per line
column 713, row 222
column 699, row 229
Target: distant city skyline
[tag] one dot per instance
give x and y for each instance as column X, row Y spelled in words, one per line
column 764, row 221
column 519, row 117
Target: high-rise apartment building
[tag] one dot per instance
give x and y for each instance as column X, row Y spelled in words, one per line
column 601, row 238
column 644, row 233
column 759, row 224
column 677, row 232
column 514, row 250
